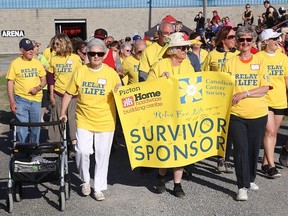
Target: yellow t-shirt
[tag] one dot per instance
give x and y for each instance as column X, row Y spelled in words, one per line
column 248, row 76
column 26, row 74
column 203, row 55
column 215, row 60
column 131, row 69
column 95, row 104
column 63, row 69
column 152, row 54
column 165, row 65
column 277, row 68
column 48, row 54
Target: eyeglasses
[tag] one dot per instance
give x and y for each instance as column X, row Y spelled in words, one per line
column 245, row 39
column 274, row 39
column 99, row 54
column 182, row 48
column 229, row 37
column 128, row 50
column 166, row 33
column 56, row 44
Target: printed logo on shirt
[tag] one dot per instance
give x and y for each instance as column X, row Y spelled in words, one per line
column 275, row 70
column 29, row 72
column 190, row 89
column 63, row 68
column 92, row 88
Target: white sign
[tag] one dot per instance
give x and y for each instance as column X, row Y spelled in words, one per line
column 12, row 33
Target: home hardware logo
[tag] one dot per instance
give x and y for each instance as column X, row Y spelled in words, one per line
column 130, row 101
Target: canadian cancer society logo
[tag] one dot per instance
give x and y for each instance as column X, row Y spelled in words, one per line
column 128, row 101
column 190, row 89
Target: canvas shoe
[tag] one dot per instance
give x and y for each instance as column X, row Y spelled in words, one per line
column 160, row 184
column 242, row 194
column 273, row 173
column 178, row 191
column 86, row 190
column 254, row 186
column 264, row 168
column 99, row 196
column 228, row 167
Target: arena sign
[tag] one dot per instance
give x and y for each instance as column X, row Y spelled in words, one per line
column 12, row 33
column 177, row 121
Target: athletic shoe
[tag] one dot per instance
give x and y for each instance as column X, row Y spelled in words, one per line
column 242, row 194
column 265, row 168
column 178, row 191
column 254, row 186
column 228, row 167
column 273, row 173
column 221, row 165
column 160, row 184
column 283, row 159
column 99, row 196
column 86, row 190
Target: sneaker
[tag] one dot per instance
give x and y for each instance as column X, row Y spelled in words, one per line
column 242, row 194
column 283, row 159
column 178, row 191
column 86, row 190
column 273, row 173
column 228, row 167
column 99, row 196
column 221, row 165
column 160, row 184
column 264, row 168
column 254, row 186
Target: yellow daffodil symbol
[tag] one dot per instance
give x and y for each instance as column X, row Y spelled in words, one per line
column 190, row 89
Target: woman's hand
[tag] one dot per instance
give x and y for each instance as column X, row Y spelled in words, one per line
column 63, row 118
column 52, row 100
column 239, row 96
column 166, row 74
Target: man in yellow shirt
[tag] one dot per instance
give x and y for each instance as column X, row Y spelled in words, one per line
column 25, row 80
column 131, row 64
column 155, row 51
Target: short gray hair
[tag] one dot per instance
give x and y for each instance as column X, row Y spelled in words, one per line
column 171, row 51
column 95, row 42
column 247, row 29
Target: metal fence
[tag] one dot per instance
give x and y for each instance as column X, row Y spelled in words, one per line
column 44, row 4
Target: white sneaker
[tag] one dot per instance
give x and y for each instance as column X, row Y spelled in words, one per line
column 254, row 186
column 242, row 194
column 99, row 196
column 86, row 190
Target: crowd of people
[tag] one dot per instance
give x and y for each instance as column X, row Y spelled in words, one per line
column 77, row 79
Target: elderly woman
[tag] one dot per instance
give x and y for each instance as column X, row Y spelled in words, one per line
column 95, row 116
column 62, row 66
column 225, row 49
column 176, row 63
column 276, row 64
column 249, row 110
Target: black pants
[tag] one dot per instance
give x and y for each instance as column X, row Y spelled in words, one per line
column 247, row 136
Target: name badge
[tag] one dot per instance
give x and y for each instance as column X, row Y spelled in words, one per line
column 255, row 66
column 102, row 81
column 69, row 61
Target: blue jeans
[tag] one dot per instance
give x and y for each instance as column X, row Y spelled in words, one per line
column 28, row 111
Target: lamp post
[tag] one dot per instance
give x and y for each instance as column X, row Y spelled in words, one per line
column 150, row 13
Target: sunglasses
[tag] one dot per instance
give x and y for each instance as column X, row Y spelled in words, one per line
column 245, row 39
column 128, row 50
column 99, row 54
column 182, row 48
column 229, row 37
column 274, row 39
column 56, row 44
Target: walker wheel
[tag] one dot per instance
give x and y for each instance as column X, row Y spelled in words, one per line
column 9, row 202
column 62, row 201
column 67, row 190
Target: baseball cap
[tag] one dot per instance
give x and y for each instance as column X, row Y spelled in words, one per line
column 100, row 33
column 26, row 44
column 268, row 33
column 136, row 37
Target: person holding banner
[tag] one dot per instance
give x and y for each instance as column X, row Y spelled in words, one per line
column 225, row 49
column 276, row 63
column 176, row 63
column 95, row 116
column 247, row 126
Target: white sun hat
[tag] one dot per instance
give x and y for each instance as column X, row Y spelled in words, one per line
column 268, row 33
column 177, row 39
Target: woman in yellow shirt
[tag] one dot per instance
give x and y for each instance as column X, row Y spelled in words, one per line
column 276, row 64
column 95, row 116
column 176, row 63
column 249, row 110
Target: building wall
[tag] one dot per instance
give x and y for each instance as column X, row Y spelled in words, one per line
column 38, row 24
